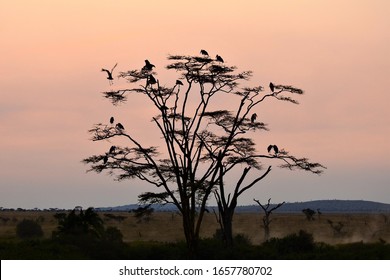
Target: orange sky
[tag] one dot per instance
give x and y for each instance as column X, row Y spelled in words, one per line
column 51, row 84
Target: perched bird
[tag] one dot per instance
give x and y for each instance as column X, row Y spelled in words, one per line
column 218, row 58
column 109, row 73
column 253, row 117
column 272, row 87
column 111, row 120
column 151, row 80
column 164, row 108
column 178, row 82
column 148, row 66
column 112, row 149
column 105, row 159
column 204, row 52
column 119, row 126
column 270, row 147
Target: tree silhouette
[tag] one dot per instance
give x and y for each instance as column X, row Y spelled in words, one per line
column 267, row 215
column 201, row 144
column 78, row 222
column 309, row 213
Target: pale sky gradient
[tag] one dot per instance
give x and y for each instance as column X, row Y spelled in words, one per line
column 51, row 53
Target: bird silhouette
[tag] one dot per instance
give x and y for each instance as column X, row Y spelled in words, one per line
column 105, row 159
column 109, row 73
column 119, row 126
column 111, row 120
column 151, row 80
column 178, row 82
column 253, row 117
column 112, row 149
column 272, row 87
column 270, row 147
column 218, row 58
column 164, row 108
column 148, row 66
column 204, row 52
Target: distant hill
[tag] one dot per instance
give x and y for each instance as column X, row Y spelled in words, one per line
column 325, row 206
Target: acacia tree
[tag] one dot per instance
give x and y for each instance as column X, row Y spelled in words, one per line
column 200, row 145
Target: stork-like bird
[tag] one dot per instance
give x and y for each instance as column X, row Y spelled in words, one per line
column 218, row 58
column 148, row 66
column 270, row 147
column 109, row 73
column 111, row 120
column 112, row 149
column 119, row 126
column 178, row 82
column 151, row 80
column 253, row 117
column 203, row 52
column 272, row 87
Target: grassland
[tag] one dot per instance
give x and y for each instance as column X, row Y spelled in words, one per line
column 166, row 226
column 353, row 236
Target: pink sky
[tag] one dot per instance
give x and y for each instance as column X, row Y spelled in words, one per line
column 51, row 84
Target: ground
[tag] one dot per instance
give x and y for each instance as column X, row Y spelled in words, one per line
column 166, row 226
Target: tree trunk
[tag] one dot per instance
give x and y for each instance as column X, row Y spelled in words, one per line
column 190, row 233
column 227, row 226
column 266, row 232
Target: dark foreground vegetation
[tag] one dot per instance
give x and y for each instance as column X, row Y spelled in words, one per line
column 294, row 246
column 86, row 234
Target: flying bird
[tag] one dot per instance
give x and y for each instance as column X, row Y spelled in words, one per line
column 204, row 52
column 178, row 82
column 218, row 58
column 109, row 73
column 253, row 117
column 111, row 120
column 112, row 149
column 119, row 126
column 148, row 66
column 272, row 87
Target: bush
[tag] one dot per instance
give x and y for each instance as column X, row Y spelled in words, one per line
column 29, row 229
column 292, row 245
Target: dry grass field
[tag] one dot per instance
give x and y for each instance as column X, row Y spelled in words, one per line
column 166, row 226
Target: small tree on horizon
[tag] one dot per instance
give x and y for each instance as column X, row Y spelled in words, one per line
column 202, row 145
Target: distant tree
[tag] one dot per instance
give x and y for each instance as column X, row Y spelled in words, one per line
column 203, row 141
column 309, row 213
column 79, row 223
column 143, row 213
column 267, row 215
column 337, row 228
